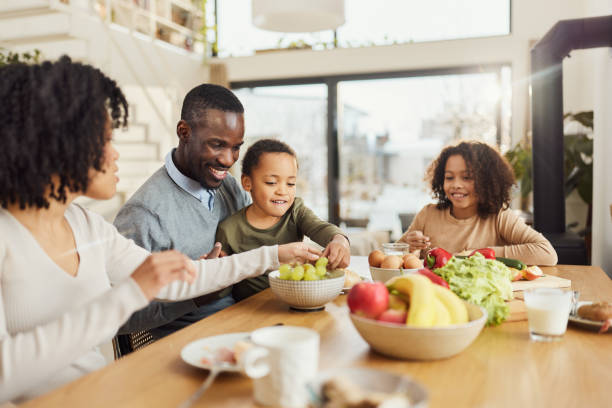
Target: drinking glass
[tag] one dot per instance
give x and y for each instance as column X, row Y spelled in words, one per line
column 547, row 311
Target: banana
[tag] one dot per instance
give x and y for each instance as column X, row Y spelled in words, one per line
column 443, row 317
column 419, row 289
column 455, row 306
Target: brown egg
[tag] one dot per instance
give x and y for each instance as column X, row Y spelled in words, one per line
column 376, row 257
column 411, row 261
column 392, row 262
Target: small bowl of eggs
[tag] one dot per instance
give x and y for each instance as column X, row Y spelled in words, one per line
column 389, row 264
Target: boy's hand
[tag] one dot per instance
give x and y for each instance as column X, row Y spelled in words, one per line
column 338, row 252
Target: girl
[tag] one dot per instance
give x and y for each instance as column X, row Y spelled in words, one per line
column 269, row 173
column 68, row 279
column 471, row 182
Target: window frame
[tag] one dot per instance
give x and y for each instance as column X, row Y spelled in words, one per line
column 331, row 81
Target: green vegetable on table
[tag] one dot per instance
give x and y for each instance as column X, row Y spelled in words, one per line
column 484, row 282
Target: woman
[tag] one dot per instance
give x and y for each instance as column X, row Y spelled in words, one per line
column 68, row 280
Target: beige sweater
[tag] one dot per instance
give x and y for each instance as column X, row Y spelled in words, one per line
column 505, row 232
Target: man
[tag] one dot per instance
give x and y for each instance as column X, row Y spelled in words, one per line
column 181, row 204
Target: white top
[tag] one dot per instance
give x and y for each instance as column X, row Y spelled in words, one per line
column 51, row 323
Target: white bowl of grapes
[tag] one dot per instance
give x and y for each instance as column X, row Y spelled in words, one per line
column 307, row 287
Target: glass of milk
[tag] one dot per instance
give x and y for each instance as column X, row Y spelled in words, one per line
column 548, row 310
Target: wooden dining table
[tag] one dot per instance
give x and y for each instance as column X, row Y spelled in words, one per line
column 502, row 367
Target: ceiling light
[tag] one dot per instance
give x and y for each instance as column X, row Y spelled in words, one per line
column 298, row 16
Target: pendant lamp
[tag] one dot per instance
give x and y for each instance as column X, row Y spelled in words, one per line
column 298, row 16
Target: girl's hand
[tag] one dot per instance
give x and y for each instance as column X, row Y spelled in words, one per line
column 338, row 252
column 297, row 252
column 416, row 240
column 161, row 268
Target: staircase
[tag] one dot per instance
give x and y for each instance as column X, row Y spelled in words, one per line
column 153, row 75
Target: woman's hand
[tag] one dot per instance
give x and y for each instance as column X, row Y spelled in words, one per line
column 416, row 240
column 161, row 268
column 338, row 252
column 297, row 252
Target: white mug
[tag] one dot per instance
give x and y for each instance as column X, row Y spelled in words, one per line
column 283, row 360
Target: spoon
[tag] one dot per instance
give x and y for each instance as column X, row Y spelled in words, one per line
column 214, row 371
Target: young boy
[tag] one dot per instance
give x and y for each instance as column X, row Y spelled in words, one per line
column 276, row 216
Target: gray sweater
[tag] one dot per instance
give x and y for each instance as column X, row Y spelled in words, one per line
column 161, row 216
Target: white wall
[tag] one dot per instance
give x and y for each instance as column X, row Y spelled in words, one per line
column 600, row 70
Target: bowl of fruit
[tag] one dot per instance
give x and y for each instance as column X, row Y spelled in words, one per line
column 307, row 286
column 412, row 318
column 384, row 266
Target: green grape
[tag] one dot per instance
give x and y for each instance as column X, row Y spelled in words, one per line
column 285, row 274
column 321, row 271
column 322, row 261
column 311, row 274
column 298, row 273
column 284, row 268
column 308, row 267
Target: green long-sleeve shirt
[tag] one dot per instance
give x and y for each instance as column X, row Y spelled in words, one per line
column 237, row 235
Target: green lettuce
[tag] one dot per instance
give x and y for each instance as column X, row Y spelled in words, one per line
column 484, row 282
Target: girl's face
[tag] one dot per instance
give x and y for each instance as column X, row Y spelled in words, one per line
column 459, row 187
column 103, row 184
column 272, row 184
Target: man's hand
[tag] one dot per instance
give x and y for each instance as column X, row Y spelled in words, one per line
column 338, row 252
column 216, row 252
column 162, row 268
column 297, row 252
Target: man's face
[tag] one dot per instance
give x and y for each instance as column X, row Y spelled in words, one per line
column 213, row 146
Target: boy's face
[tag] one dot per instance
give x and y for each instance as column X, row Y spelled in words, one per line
column 272, row 184
column 459, row 187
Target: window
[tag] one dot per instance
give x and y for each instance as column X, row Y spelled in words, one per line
column 367, row 23
column 297, row 115
column 389, row 128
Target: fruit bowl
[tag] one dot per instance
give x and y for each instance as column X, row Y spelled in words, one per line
column 383, row 275
column 421, row 343
column 307, row 295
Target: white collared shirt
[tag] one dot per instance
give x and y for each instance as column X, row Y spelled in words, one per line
column 205, row 195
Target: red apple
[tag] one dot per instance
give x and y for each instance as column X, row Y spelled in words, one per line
column 397, row 303
column 368, row 299
column 393, row 316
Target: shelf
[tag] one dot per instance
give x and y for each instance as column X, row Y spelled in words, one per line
column 186, row 6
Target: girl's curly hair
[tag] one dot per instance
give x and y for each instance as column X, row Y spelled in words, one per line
column 52, row 123
column 493, row 176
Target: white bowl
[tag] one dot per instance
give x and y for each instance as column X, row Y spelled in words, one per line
column 307, row 295
column 421, row 343
column 383, row 275
column 370, row 380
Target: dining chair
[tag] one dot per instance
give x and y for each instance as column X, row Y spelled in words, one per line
column 124, row 344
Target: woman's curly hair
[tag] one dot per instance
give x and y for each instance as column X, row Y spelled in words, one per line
column 52, row 124
column 493, row 176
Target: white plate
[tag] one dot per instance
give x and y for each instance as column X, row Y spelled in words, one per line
column 348, row 289
column 587, row 323
column 193, row 352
